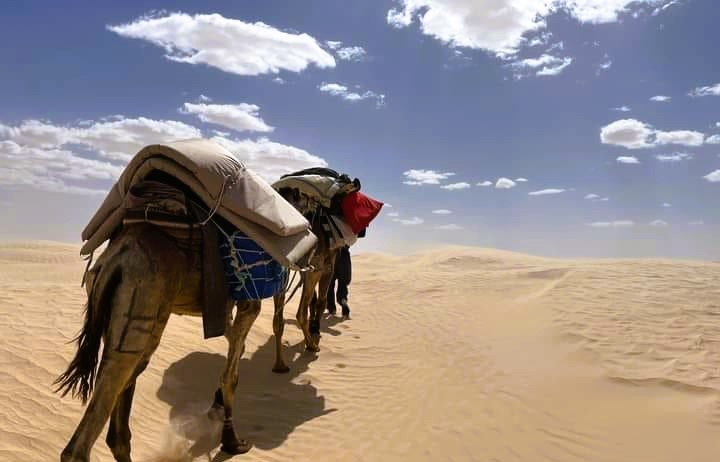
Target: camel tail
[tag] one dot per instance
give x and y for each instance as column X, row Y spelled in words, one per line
column 79, row 378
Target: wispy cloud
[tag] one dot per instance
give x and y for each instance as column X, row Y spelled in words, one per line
column 674, row 157
column 442, row 212
column 661, row 99
column 414, row 221
column 456, row 186
column 710, row 90
column 545, row 192
column 613, row 224
column 544, row 65
column 627, row 160
column 659, row 223
column 345, row 93
column 622, row 109
column 485, row 183
column 449, row 227
column 420, row 177
column 231, row 45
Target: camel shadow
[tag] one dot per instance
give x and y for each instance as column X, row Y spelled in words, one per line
column 326, row 326
column 268, row 406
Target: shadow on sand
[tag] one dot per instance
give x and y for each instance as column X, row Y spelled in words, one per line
column 267, row 408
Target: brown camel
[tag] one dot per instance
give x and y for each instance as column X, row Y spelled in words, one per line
column 319, row 276
column 140, row 279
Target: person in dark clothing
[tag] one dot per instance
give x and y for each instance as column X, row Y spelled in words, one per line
column 343, row 275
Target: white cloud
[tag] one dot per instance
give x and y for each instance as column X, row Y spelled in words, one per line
column 660, row 9
column 418, row 177
column 542, row 39
column 696, row 223
column 450, row 227
column 605, row 65
column 545, row 192
column 343, row 92
column 633, row 134
column 393, row 214
column 269, row 159
column 43, row 155
column 666, row 204
column 595, row 198
column 456, row 186
column 279, row 80
column 351, row 53
column 500, row 27
column 52, row 169
column 622, row 109
column 714, row 139
column 521, row 180
column 661, row 99
column 659, row 223
column 442, row 212
column 711, row 90
column 228, row 44
column 116, row 138
column 674, row 157
column 388, row 206
column 240, row 117
column 547, row 64
column 713, row 177
column 204, row 99
column 629, row 133
column 414, row 221
column 627, row 160
column 684, row 137
column 485, row 183
column 613, row 224
column 333, row 44
column 505, row 183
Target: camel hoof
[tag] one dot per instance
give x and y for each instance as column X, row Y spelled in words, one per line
column 312, row 348
column 281, row 369
column 238, row 447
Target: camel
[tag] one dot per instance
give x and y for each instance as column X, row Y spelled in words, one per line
column 312, row 305
column 140, row 279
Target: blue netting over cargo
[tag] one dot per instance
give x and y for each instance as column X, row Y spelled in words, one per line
column 251, row 273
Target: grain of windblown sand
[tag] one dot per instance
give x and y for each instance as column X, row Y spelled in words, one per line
column 456, row 354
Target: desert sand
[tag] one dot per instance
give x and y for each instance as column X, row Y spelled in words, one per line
column 455, row 354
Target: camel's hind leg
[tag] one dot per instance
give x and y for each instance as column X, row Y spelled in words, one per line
column 320, row 303
column 118, row 436
column 278, row 328
column 309, row 281
column 117, row 372
column 236, row 332
column 139, row 305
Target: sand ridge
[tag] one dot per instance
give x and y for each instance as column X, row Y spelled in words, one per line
column 454, row 354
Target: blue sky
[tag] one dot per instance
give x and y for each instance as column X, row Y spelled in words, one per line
column 607, row 98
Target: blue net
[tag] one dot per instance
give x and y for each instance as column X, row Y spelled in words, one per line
column 251, row 273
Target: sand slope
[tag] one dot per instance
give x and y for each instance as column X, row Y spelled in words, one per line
column 456, row 355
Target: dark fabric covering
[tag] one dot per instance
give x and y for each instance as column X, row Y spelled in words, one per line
column 214, row 287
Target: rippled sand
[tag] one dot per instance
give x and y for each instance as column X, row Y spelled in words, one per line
column 457, row 354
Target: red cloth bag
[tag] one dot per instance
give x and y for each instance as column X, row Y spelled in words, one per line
column 359, row 210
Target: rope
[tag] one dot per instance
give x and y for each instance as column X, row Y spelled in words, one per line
column 217, row 203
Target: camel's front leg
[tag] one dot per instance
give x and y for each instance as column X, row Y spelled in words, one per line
column 310, row 280
column 236, row 333
column 278, row 328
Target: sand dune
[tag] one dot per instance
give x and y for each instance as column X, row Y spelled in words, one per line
column 457, row 354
